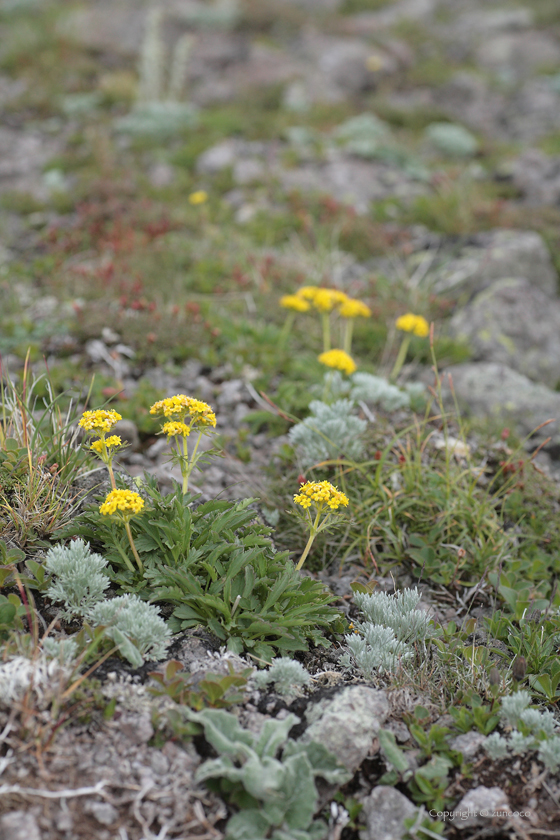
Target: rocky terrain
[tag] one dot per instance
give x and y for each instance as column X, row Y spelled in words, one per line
column 167, row 171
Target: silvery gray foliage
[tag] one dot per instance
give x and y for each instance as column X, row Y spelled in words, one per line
column 514, row 706
column 64, row 650
column 135, row 626
column 378, row 650
column 41, row 674
column 365, row 387
column 549, row 753
column 288, row 675
column 532, row 730
column 80, row 580
column 330, row 431
column 398, row 612
column 376, row 390
column 392, row 623
column 496, row 746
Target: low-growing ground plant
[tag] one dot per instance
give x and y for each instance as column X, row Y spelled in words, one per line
column 216, row 565
column 276, row 796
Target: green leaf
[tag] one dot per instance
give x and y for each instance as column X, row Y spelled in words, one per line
column 7, row 613
column 391, row 751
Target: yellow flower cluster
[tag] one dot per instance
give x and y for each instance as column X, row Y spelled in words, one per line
column 297, row 304
column 180, row 405
column 338, row 359
column 110, row 442
column 175, row 428
column 198, row 197
column 351, row 308
column 100, row 421
column 320, row 493
column 325, row 300
column 415, row 324
column 125, row 502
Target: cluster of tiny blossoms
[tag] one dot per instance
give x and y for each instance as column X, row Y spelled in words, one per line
column 415, row 324
column 320, row 493
column 183, row 415
column 325, row 302
column 339, row 360
column 109, row 443
column 326, row 499
column 180, row 406
column 100, row 421
column 127, row 503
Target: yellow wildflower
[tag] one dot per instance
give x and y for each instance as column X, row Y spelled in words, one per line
column 98, row 445
column 100, row 421
column 307, row 292
column 198, row 197
column 180, row 405
column 294, row 302
column 326, row 299
column 415, row 324
column 338, row 359
column 320, row 493
column 351, row 308
column 125, row 502
column 173, row 428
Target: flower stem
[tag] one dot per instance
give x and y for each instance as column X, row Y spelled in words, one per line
column 133, row 547
column 111, row 475
column 326, row 319
column 190, row 466
column 185, row 466
column 312, row 535
column 286, row 330
column 306, row 551
column 348, row 336
column 399, row 361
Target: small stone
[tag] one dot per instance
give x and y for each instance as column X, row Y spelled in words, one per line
column 347, row 723
column 468, row 744
column 385, row 811
column 217, row 158
column 128, row 431
column 103, row 812
column 19, row 825
column 137, row 728
column 64, row 821
column 480, row 804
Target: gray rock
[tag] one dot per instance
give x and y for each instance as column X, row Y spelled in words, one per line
column 516, row 324
column 489, row 389
column 486, row 21
column 137, row 728
column 347, row 64
column 496, row 255
column 347, row 723
column 128, row 431
column 218, row 157
column 313, row 5
column 520, row 53
column 537, row 176
column 103, row 812
column 19, row 825
column 351, row 181
column 468, row 744
column 385, row 811
column 248, row 171
column 480, row 804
